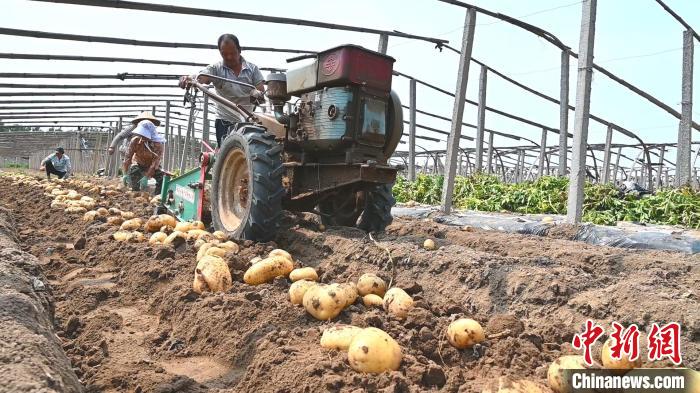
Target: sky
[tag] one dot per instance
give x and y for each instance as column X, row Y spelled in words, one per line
column 635, row 39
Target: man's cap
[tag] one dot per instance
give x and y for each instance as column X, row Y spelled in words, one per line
column 60, row 150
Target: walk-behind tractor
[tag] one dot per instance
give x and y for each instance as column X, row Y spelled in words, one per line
column 327, row 152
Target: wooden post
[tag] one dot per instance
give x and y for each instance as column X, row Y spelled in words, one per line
column 581, row 116
column 684, row 130
column 543, row 146
column 383, row 43
column 458, row 109
column 617, row 164
column 563, row 112
column 481, row 119
column 412, row 131
column 166, row 151
column 489, row 155
column 205, row 119
column 606, row 155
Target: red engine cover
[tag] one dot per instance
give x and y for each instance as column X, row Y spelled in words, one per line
column 351, row 64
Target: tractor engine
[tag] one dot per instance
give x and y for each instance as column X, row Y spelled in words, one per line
column 346, row 111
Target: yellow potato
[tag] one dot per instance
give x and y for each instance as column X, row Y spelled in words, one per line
column 131, row 225
column 153, row 224
column 137, row 236
column 115, row 220
column 230, row 246
column 157, row 238
column 203, row 250
column 167, row 229
column 509, row 385
column 372, row 300
column 183, row 226
column 374, row 351
column 199, row 243
column 280, row 252
column 197, row 225
column 173, row 236
column 212, row 274
column 216, row 251
column 256, row 260
column 128, row 215
column 167, row 219
column 155, row 201
column 350, row 290
column 324, row 302
column 429, row 245
column 122, row 236
column 219, row 235
column 298, row 289
column 267, row 269
column 371, row 283
column 75, row 209
column 114, row 211
column 622, row 364
column 303, row 273
column 90, row 216
column 338, row 337
column 397, row 302
column 58, row 205
column 198, row 233
column 464, row 333
column 555, row 374
column 102, row 212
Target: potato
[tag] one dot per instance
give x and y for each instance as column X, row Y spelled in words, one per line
column 216, row 251
column 350, row 291
column 397, row 302
column 137, row 236
column 122, row 236
column 115, row 220
column 372, row 300
column 509, row 385
column 203, row 250
column 212, row 274
column 220, row 235
column 153, row 224
column 58, row 205
column 155, row 201
column 197, row 225
column 429, row 245
column 323, row 302
column 267, row 269
column 167, row 219
column 256, row 260
column 298, row 289
column 622, row 364
column 371, row 283
column 374, row 351
column 198, row 233
column 555, row 374
column 102, row 212
column 131, row 225
column 75, row 209
column 157, row 238
column 114, row 211
column 127, row 215
column 304, row 273
column 230, row 246
column 464, row 333
column 338, row 337
column 280, row 252
column 175, row 237
column 198, row 243
column 167, row 229
column 140, row 200
column 90, row 216
column 183, row 226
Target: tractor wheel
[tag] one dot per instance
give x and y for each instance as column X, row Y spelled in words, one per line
column 246, row 193
column 342, row 209
column 377, row 214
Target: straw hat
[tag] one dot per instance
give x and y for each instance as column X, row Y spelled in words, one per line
column 146, row 115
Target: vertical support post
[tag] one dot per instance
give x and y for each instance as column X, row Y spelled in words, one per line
column 481, row 119
column 117, row 164
column 458, row 110
column 606, row 155
column 684, row 130
column 205, row 120
column 153, row 110
column 666, row 176
column 581, row 115
column 543, row 147
column 563, row 112
column 617, row 164
column 166, row 154
column 520, row 173
column 489, row 155
column 412, row 131
column 383, row 43
column 180, row 150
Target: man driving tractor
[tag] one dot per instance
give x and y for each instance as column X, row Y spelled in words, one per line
column 232, row 66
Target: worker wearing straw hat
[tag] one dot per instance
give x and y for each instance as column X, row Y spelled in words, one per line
column 144, row 153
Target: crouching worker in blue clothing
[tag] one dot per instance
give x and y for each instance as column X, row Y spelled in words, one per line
column 57, row 163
